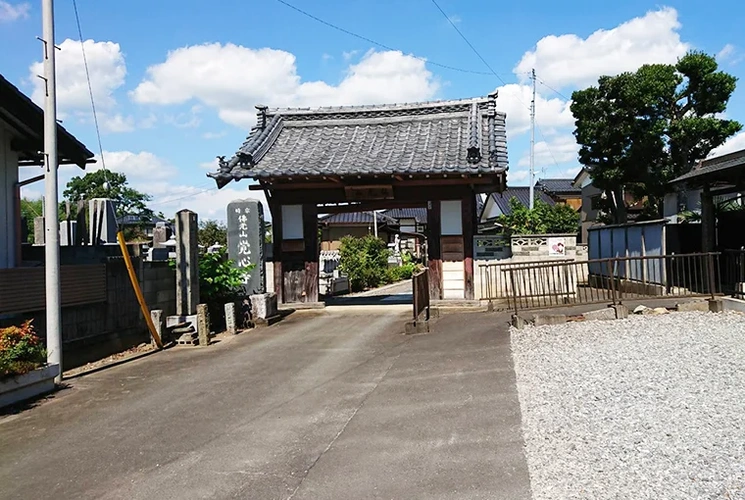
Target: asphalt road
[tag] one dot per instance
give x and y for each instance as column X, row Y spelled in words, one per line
column 325, row 405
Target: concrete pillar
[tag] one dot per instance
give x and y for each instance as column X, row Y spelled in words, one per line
column 203, row 325
column 38, row 230
column 159, row 320
column 187, row 263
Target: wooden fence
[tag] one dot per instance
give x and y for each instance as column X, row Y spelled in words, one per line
column 421, row 295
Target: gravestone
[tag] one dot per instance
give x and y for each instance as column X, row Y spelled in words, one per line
column 246, row 241
column 102, row 224
column 67, row 233
column 160, row 235
column 39, row 237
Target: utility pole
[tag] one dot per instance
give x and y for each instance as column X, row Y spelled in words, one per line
column 51, row 218
column 532, row 142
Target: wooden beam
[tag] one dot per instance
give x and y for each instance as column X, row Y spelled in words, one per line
column 369, row 206
column 310, row 232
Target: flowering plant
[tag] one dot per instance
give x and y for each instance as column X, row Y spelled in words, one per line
column 21, row 350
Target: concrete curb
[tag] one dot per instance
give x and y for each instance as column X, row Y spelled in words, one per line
column 620, row 311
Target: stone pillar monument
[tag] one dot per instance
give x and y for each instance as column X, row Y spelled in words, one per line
column 187, row 263
column 102, row 223
column 246, row 241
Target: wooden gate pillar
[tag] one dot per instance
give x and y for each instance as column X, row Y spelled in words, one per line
column 434, row 250
column 469, row 229
column 310, row 232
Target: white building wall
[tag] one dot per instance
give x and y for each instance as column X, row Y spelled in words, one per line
column 8, row 180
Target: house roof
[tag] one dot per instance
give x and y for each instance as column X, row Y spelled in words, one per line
column 727, row 168
column 522, row 194
column 440, row 137
column 558, row 186
column 356, row 218
column 130, row 219
column 27, row 118
column 419, row 214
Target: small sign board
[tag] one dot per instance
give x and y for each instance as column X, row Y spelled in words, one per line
column 491, row 247
column 556, row 247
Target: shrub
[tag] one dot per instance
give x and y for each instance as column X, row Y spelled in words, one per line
column 542, row 219
column 365, row 261
column 21, row 350
column 220, row 281
column 403, row 272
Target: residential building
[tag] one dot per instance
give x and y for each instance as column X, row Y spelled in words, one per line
column 497, row 204
column 359, row 224
column 561, row 191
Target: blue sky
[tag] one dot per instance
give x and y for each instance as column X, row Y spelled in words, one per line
column 176, row 82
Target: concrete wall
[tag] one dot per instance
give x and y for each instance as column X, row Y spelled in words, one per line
column 489, row 278
column 8, row 180
column 93, row 331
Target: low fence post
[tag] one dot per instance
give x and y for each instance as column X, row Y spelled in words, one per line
column 611, row 282
column 712, row 283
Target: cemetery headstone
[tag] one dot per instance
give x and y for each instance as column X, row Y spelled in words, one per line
column 246, row 242
column 102, row 226
column 160, row 235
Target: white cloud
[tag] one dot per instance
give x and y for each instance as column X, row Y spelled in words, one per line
column 148, row 122
column 107, row 71
column 143, row 169
column 568, row 60
column 233, row 79
column 734, row 143
column 117, row 123
column 726, row 52
column 562, row 149
column 13, row 12
column 515, row 99
column 516, row 176
column 209, row 165
column 206, row 200
column 349, row 55
column 214, row 135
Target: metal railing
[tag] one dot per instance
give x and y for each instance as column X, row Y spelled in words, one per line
column 732, row 271
column 610, row 280
column 420, row 282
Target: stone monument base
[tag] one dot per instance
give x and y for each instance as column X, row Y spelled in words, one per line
column 264, row 310
column 183, row 329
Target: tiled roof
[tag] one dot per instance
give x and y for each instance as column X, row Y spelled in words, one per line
column 719, row 166
column 523, row 196
column 420, row 214
column 356, row 218
column 558, row 186
column 463, row 136
column 28, row 119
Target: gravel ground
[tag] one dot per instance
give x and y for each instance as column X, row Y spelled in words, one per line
column 648, row 407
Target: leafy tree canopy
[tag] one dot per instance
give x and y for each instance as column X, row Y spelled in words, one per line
column 91, row 185
column 211, row 232
column 638, row 131
column 541, row 219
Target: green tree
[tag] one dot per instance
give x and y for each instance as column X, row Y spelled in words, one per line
column 364, row 260
column 638, row 131
column 31, row 209
column 211, row 232
column 92, row 185
column 541, row 219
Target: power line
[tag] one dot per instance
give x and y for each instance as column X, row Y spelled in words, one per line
column 556, row 164
column 381, row 45
column 553, row 90
column 168, row 202
column 468, row 42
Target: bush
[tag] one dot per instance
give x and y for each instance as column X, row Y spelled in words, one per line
column 220, row 281
column 21, row 350
column 364, row 261
column 401, row 273
column 542, row 219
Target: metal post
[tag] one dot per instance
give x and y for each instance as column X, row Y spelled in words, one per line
column 51, row 240
column 611, row 281
column 532, row 143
